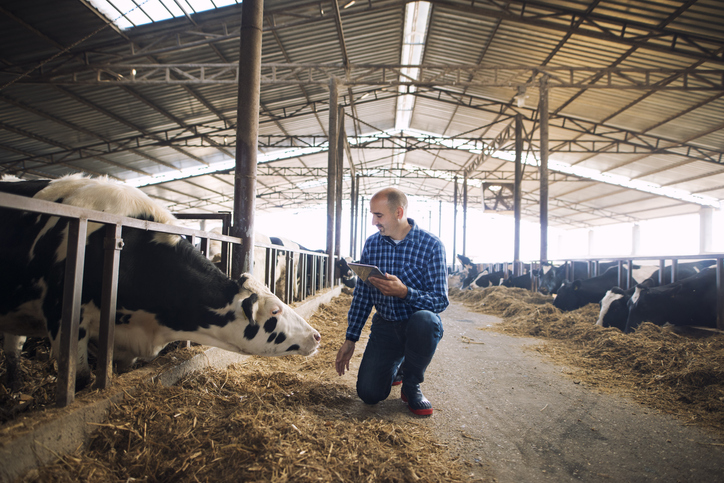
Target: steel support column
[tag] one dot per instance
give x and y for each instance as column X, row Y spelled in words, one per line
column 465, row 211
column 247, row 129
column 338, row 189
column 331, row 176
column 455, row 222
column 543, row 113
column 517, row 193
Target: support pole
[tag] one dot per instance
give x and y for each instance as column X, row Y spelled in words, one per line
column 331, row 176
column 465, row 211
column 338, row 189
column 517, row 193
column 543, row 112
column 352, row 224
column 356, row 219
column 455, row 223
column 247, row 129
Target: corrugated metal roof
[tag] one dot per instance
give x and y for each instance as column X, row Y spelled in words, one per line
column 52, row 125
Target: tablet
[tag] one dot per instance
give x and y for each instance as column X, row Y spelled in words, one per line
column 365, row 271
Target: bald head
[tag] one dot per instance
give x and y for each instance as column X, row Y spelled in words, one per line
column 395, row 199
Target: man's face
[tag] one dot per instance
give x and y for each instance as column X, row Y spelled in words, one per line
column 382, row 218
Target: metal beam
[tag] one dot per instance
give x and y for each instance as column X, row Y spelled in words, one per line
column 431, row 75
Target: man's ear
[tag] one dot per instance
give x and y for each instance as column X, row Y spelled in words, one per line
column 400, row 212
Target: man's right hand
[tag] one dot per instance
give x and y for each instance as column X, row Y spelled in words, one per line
column 343, row 356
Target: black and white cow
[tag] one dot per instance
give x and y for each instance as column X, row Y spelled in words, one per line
column 486, row 279
column 688, row 302
column 296, row 276
column 576, row 294
column 521, row 281
column 167, row 290
column 614, row 305
column 344, row 273
column 553, row 277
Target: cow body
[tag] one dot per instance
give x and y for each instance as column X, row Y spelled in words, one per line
column 688, row 302
column 167, row 290
column 552, row 279
column 576, row 294
column 614, row 305
column 521, row 281
column 486, row 279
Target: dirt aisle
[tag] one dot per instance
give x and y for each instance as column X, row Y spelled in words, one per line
column 516, row 418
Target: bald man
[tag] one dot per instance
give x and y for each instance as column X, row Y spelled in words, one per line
column 406, row 327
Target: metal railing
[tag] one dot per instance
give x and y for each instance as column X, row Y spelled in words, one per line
column 627, row 281
column 78, row 219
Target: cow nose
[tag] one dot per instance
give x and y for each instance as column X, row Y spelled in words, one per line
column 317, row 337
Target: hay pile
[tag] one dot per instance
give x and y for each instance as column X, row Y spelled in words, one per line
column 280, row 419
column 681, row 374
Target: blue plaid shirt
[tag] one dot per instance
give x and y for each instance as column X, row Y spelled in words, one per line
column 418, row 261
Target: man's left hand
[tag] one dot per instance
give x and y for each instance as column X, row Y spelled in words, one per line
column 391, row 286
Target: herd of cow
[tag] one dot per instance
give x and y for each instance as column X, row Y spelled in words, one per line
column 169, row 291
column 691, row 300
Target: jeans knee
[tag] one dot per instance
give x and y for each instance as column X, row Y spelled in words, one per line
column 370, row 396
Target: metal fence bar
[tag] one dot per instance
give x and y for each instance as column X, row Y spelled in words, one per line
column 72, row 290
column 113, row 244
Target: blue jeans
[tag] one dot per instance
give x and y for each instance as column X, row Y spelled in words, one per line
column 413, row 341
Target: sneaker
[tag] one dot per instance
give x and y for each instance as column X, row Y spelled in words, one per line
column 416, row 402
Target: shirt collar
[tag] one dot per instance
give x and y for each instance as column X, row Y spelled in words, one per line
column 412, row 236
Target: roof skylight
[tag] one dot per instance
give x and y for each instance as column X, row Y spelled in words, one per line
column 132, row 13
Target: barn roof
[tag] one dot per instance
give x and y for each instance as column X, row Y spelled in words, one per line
column 635, row 101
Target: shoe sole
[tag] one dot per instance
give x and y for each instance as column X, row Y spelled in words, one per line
column 397, row 383
column 418, row 412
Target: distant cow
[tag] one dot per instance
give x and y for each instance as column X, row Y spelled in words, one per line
column 167, row 290
column 487, row 279
column 614, row 305
column 521, row 281
column 576, row 294
column 344, row 273
column 688, row 302
column 552, row 278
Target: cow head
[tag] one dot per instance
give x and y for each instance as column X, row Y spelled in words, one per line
column 261, row 324
column 567, row 296
column 614, row 309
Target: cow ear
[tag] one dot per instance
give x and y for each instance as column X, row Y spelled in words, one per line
column 242, row 280
column 617, row 290
column 576, row 284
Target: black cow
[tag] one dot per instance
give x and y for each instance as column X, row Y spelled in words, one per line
column 614, row 305
column 521, row 281
column 688, row 302
column 576, row 294
column 487, row 279
column 552, row 279
column 167, row 290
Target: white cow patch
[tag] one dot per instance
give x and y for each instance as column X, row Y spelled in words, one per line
column 636, row 295
column 606, row 302
column 102, row 194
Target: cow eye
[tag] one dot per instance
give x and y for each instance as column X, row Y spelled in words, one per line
column 276, row 311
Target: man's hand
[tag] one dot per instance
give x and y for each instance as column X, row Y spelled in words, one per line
column 391, row 286
column 343, row 357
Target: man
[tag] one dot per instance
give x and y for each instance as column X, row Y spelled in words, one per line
column 406, row 327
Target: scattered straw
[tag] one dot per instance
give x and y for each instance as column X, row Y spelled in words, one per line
column 269, row 419
column 678, row 373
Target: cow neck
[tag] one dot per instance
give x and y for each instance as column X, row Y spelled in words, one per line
column 178, row 284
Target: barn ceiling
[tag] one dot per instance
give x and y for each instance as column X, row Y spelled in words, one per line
column 634, row 100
